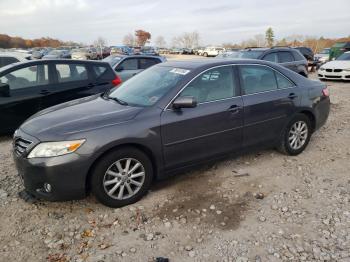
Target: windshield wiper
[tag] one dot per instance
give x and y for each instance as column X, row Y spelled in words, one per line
column 119, row 101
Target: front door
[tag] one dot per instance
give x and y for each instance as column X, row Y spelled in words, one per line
column 211, row 128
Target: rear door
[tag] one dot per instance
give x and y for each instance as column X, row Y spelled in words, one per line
column 27, row 92
column 71, row 81
column 269, row 99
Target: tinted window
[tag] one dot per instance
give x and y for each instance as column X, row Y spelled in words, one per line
column 147, row 62
column 147, row 87
column 257, row 79
column 99, row 70
column 282, row 81
column 27, row 77
column 285, row 57
column 254, row 54
column 212, row 85
column 71, row 72
column 7, row 60
column 272, row 57
column 298, row 56
column 129, row 64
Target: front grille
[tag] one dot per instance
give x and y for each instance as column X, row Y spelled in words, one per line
column 337, row 70
column 21, row 145
column 328, row 76
column 329, row 70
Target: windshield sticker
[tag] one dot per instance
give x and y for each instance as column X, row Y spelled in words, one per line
column 180, row 71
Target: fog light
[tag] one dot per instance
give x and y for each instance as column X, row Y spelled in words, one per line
column 47, row 187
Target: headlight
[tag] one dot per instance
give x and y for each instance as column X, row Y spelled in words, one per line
column 321, row 68
column 50, row 149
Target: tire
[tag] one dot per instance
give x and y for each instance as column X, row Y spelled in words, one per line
column 205, row 54
column 107, row 170
column 286, row 144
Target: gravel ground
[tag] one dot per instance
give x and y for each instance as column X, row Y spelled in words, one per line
column 262, row 206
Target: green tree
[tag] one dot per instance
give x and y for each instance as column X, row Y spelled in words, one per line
column 270, row 37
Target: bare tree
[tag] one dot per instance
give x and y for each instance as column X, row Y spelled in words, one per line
column 129, row 40
column 160, row 41
column 188, row 40
column 100, row 41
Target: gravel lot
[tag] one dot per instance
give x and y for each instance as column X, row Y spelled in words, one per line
column 262, row 206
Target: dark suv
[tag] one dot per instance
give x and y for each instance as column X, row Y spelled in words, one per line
column 285, row 56
column 28, row 87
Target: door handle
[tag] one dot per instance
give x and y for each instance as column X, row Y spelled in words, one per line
column 234, row 109
column 292, row 96
column 44, row 92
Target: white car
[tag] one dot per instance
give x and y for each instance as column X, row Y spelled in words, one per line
column 7, row 57
column 336, row 69
column 212, row 51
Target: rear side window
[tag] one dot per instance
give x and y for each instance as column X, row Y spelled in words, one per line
column 71, row 72
column 147, row 62
column 282, row 81
column 7, row 60
column 285, row 57
column 272, row 57
column 102, row 73
column 129, row 64
column 35, row 75
column 257, row 79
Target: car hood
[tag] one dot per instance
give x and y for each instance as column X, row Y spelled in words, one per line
column 77, row 116
column 341, row 64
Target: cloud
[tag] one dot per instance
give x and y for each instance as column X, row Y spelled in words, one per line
column 216, row 22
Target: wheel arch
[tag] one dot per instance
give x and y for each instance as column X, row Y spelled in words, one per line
column 140, row 147
column 311, row 117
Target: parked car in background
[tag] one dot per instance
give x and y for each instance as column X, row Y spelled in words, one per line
column 149, row 50
column 288, row 57
column 339, row 48
column 176, row 51
column 228, row 54
column 57, row 54
column 338, row 69
column 7, row 58
column 323, row 56
column 163, row 121
column 199, row 50
column 121, row 50
column 212, row 51
column 84, row 54
column 28, row 87
column 129, row 66
column 306, row 52
column 39, row 53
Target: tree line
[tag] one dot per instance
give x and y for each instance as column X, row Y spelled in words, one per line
column 7, row 41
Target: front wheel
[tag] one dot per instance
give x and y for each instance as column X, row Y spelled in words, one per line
column 296, row 135
column 122, row 177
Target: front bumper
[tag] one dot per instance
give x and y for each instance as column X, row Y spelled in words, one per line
column 66, row 174
column 343, row 75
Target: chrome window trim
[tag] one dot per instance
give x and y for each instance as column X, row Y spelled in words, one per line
column 169, row 108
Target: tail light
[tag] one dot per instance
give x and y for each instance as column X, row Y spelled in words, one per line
column 325, row 91
column 116, row 81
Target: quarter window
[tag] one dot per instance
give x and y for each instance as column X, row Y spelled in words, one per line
column 212, row 85
column 285, row 57
column 257, row 79
column 27, row 77
column 282, row 81
column 71, row 72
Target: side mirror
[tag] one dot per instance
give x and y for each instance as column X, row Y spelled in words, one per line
column 184, row 102
column 119, row 69
column 4, row 90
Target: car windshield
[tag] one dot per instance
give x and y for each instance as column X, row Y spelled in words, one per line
column 112, row 60
column 147, row 87
column 345, row 56
column 254, row 54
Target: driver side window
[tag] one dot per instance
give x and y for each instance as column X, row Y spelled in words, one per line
column 214, row 84
column 27, row 77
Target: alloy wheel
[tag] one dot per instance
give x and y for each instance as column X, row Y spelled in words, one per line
column 124, row 178
column 298, row 134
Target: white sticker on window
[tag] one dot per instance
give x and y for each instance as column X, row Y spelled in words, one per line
column 180, row 71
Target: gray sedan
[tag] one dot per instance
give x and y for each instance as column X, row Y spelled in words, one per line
column 171, row 116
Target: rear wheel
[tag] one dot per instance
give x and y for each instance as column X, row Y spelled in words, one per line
column 205, row 54
column 296, row 135
column 122, row 177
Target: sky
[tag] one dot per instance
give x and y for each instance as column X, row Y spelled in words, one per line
column 221, row 21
